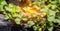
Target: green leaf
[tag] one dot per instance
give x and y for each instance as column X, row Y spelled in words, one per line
column 51, row 15
column 6, row 17
column 35, row 28
column 3, row 2
column 57, row 21
column 50, row 29
column 17, row 20
column 31, row 23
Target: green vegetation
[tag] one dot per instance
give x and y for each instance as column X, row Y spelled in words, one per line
column 50, row 7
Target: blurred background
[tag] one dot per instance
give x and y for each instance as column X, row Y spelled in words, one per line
column 29, row 15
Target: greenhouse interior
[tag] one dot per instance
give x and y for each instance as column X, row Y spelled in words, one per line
column 29, row 15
